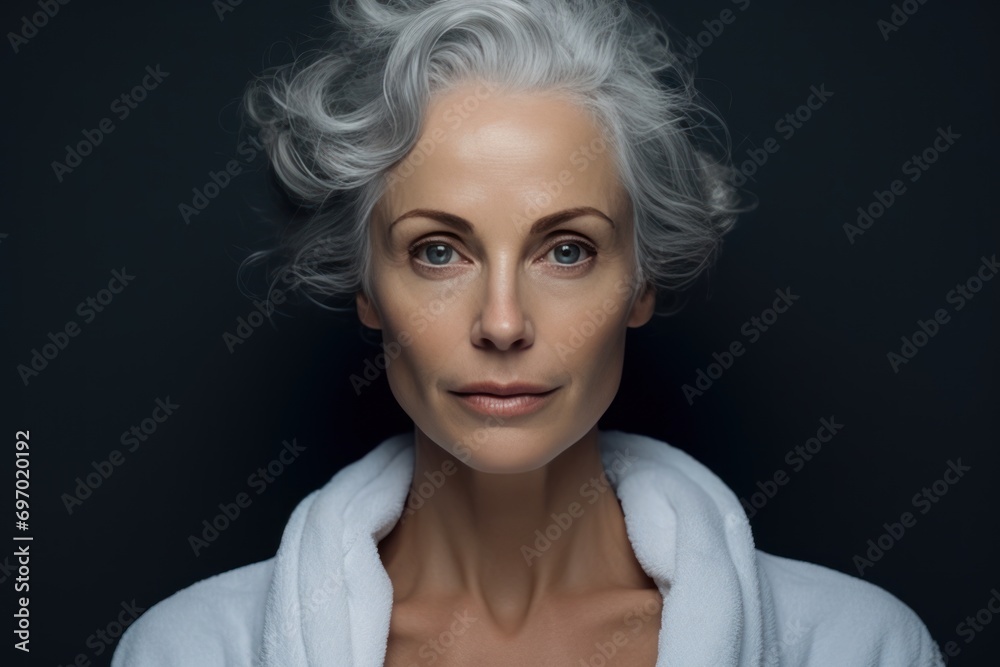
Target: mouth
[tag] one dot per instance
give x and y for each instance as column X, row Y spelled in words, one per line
column 510, row 401
column 495, row 389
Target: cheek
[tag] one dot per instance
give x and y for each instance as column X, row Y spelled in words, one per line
column 588, row 335
column 427, row 340
column 604, row 356
column 420, row 306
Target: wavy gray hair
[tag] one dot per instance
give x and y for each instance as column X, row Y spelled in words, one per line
column 335, row 123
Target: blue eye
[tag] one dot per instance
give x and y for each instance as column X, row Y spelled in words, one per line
column 567, row 251
column 438, row 254
column 573, row 254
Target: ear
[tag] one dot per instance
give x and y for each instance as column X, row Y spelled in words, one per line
column 367, row 312
column 642, row 309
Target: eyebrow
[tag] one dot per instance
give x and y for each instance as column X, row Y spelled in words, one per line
column 539, row 226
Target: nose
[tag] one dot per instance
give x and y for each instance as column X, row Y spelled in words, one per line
column 502, row 322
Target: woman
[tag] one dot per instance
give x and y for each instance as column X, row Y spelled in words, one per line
column 507, row 187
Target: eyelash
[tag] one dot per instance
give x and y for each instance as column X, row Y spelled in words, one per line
column 416, row 248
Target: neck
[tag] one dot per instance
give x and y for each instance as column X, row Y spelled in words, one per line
column 507, row 542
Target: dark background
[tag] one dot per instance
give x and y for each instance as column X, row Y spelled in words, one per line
column 162, row 336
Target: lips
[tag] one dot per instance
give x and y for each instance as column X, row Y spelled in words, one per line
column 511, row 400
column 495, row 389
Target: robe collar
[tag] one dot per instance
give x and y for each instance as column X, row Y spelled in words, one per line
column 330, row 597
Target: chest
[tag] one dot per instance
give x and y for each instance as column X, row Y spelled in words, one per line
column 624, row 632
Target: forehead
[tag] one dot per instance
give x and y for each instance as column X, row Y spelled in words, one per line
column 518, row 153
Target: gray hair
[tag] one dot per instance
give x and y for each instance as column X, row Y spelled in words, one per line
column 333, row 124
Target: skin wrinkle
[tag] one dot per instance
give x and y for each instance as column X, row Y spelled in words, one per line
column 510, row 308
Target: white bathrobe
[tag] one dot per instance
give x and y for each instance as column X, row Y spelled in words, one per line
column 326, row 599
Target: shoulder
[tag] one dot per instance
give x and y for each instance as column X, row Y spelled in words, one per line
column 822, row 613
column 216, row 621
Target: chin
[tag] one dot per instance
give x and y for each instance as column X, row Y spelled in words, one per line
column 510, row 449
column 506, row 458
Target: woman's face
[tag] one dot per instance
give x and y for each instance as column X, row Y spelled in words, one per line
column 480, row 278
